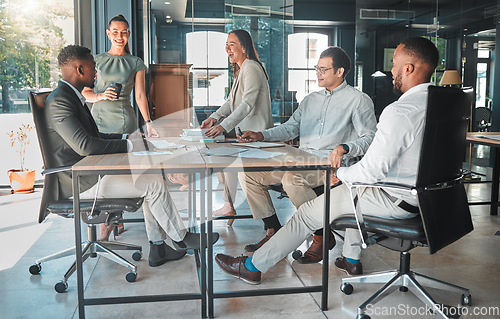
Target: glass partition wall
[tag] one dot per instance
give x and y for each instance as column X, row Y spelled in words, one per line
column 193, row 33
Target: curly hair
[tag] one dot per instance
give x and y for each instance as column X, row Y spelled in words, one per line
column 73, row 52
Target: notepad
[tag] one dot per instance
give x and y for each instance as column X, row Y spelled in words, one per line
column 258, row 144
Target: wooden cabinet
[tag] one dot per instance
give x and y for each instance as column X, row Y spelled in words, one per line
column 170, row 97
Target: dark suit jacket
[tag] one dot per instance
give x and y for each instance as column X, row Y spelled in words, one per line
column 72, row 135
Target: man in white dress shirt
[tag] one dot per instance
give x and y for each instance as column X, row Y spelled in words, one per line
column 336, row 122
column 392, row 157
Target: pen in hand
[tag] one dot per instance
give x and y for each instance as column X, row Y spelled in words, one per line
column 240, row 133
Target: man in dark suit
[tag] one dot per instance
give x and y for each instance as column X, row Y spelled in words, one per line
column 73, row 134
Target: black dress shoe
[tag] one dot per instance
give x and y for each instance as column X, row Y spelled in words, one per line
column 350, row 268
column 235, row 266
column 315, row 253
column 192, row 241
column 160, row 254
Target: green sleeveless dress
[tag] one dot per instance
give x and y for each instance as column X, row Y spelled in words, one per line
column 116, row 116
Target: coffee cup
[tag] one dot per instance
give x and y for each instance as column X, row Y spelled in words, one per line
column 117, row 87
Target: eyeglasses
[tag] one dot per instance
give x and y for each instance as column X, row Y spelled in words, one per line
column 321, row 70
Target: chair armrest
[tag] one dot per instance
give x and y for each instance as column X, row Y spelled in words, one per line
column 389, row 185
column 365, row 240
column 54, row 170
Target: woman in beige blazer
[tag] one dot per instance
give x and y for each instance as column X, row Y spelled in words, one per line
column 248, row 106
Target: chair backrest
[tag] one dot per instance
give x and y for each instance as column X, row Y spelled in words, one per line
column 445, row 212
column 50, row 191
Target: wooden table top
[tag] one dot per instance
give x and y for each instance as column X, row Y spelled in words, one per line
column 190, row 157
column 478, row 137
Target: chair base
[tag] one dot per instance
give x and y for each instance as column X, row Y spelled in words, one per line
column 92, row 248
column 404, row 279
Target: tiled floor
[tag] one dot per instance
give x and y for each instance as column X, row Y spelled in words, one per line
column 472, row 262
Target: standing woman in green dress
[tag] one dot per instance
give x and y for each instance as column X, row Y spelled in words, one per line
column 114, row 113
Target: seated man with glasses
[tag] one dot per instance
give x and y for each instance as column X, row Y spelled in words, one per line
column 337, row 122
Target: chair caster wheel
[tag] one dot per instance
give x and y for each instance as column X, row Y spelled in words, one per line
column 61, row 286
column 35, row 269
column 403, row 289
column 296, row 254
column 466, row 300
column 363, row 316
column 137, row 255
column 347, row 289
column 131, row 276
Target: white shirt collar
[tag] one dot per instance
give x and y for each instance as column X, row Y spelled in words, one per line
column 80, row 96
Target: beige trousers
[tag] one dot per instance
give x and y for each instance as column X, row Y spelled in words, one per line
column 298, row 185
column 309, row 218
column 160, row 214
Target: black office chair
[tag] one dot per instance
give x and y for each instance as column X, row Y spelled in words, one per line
column 444, row 212
column 482, row 119
column 92, row 212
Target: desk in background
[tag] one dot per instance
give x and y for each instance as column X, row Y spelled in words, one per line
column 478, row 138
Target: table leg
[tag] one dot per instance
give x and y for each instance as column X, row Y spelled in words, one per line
column 210, row 255
column 494, row 183
column 326, row 240
column 78, row 245
column 203, row 244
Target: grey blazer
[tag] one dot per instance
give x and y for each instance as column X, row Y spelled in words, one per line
column 248, row 105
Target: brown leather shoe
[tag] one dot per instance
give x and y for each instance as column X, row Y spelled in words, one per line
column 315, row 252
column 253, row 247
column 349, row 268
column 235, row 266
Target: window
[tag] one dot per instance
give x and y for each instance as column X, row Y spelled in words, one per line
column 206, row 52
column 301, row 73
column 32, row 32
column 31, row 35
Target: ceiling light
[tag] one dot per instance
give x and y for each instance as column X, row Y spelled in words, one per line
column 167, row 2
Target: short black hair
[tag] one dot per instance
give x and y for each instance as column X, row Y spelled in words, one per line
column 73, row 52
column 339, row 57
column 422, row 49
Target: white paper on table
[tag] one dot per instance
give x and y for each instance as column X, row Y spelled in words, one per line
column 147, row 153
column 224, row 151
column 258, row 144
column 258, row 153
column 194, row 131
column 163, row 144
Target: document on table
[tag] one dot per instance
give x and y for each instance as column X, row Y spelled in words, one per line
column 164, row 144
column 491, row 137
column 148, row 153
column 240, row 152
column 259, row 144
column 257, row 153
column 224, row 151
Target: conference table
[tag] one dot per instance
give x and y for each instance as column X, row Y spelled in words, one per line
column 493, row 141
column 193, row 159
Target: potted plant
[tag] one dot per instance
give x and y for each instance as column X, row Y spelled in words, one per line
column 21, row 180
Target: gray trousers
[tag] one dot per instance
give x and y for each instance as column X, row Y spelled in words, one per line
column 309, row 218
column 297, row 184
column 160, row 214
